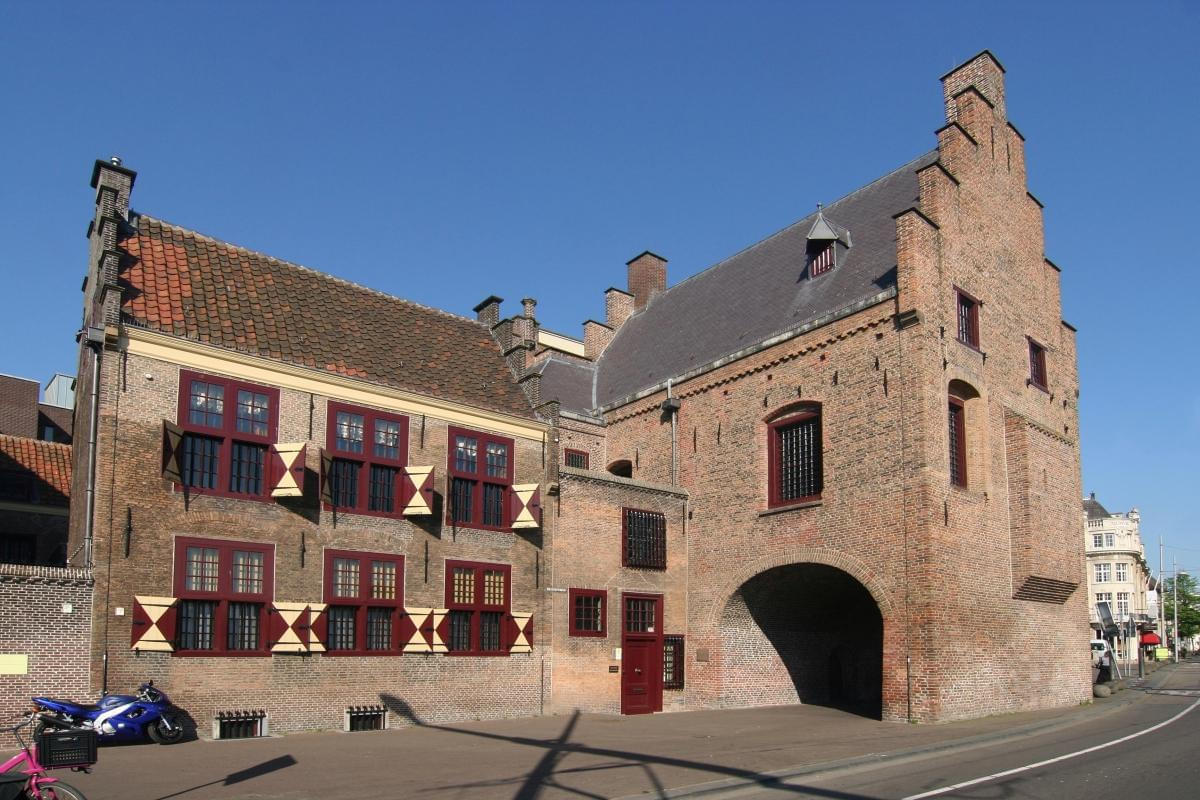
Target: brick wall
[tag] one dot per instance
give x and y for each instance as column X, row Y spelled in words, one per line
column 33, row 622
column 18, row 406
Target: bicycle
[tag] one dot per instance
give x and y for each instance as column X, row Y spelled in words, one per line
column 33, row 782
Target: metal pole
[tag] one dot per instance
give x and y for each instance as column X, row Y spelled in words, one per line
column 1175, row 606
column 1162, row 622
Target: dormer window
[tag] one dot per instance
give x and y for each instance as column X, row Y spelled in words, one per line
column 822, row 239
column 822, row 260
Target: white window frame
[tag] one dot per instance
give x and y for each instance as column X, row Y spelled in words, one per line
column 1103, row 572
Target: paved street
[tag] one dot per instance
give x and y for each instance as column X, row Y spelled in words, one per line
column 805, row 751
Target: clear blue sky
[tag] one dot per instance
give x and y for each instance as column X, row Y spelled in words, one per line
column 444, row 152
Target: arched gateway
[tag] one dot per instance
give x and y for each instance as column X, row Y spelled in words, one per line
column 802, row 633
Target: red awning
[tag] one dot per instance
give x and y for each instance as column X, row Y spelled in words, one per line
column 1151, row 638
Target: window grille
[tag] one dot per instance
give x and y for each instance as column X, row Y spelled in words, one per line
column 201, row 459
column 247, row 572
column 202, row 566
column 493, row 504
column 246, row 469
column 489, row 630
column 822, row 261
column 799, row 453
column 464, row 585
column 344, row 483
column 968, row 320
column 645, row 539
column 379, row 628
column 366, row 718
column 957, row 442
column 242, row 633
column 639, row 615
column 460, row 631
column 383, row 580
column 383, row 489
column 240, row 724
column 672, row 662
column 194, row 625
column 345, row 577
column 1037, row 364
column 577, row 459
column 461, row 492
column 340, row 628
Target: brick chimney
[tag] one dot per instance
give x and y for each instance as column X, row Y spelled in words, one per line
column 102, row 294
column 488, row 310
column 618, row 307
column 985, row 75
column 647, row 277
column 596, row 337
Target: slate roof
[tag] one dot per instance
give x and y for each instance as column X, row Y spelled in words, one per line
column 569, row 382
column 1093, row 508
column 46, row 464
column 180, row 282
column 762, row 291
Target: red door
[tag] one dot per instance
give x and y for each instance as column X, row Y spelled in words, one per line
column 641, row 653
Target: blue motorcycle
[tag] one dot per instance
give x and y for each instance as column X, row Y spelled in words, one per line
column 117, row 717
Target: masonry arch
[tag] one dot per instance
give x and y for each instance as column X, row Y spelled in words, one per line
column 804, row 631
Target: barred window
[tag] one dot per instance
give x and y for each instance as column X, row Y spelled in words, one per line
column 223, row 588
column 246, row 470
column 576, row 459
column 493, row 505
column 225, row 453
column 795, row 453
column 344, row 484
column 365, row 592
column 968, row 319
column 645, row 537
column 672, row 662
column 477, row 596
column 383, row 489
column 640, row 613
column 957, row 434
column 1037, row 365
column 201, row 461
column 821, row 261
column 462, row 491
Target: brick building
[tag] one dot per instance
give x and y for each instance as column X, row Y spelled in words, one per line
column 839, row 467
column 35, row 489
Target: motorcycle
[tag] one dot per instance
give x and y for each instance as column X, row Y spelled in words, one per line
column 117, row 717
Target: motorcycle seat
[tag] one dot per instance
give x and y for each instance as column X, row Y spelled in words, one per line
column 79, row 708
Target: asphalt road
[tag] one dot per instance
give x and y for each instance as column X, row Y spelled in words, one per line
column 1152, row 761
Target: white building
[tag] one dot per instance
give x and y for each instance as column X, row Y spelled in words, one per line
column 1117, row 572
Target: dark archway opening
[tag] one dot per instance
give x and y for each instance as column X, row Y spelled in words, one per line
column 806, row 633
column 622, row 468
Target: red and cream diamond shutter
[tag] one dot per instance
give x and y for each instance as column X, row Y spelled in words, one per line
column 326, row 477
column 418, row 491
column 318, row 627
column 416, row 630
column 525, row 505
column 172, row 455
column 153, row 623
column 520, row 632
column 287, row 469
column 439, row 629
column 288, row 628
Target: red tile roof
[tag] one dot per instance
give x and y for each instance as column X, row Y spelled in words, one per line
column 49, row 463
column 186, row 284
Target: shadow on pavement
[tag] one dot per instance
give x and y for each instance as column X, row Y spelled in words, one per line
column 546, row 773
column 266, row 767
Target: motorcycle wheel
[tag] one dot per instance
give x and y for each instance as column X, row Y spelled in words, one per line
column 59, row 791
column 160, row 733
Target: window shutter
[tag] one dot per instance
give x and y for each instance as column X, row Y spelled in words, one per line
column 439, row 629
column 525, row 505
column 172, row 452
column 318, row 630
column 416, row 630
column 287, row 469
column 153, row 622
column 326, row 476
column 418, row 491
column 520, row 632
column 287, row 628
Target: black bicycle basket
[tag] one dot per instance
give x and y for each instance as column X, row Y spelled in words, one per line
column 66, row 748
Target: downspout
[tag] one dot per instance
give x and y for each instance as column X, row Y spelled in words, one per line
column 95, row 342
column 674, row 441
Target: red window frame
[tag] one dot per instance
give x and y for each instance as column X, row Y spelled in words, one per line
column 957, row 441
column 477, row 606
column 363, row 601
column 653, row 556
column 673, row 666
column 367, row 459
column 224, row 594
column 581, row 454
column 775, row 430
column 1037, row 365
column 227, row 433
column 573, row 628
column 480, row 478
column 967, row 318
column 823, row 260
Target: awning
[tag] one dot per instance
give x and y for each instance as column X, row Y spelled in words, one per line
column 1151, row 638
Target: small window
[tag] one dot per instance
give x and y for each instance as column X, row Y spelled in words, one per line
column 794, row 452
column 1103, row 573
column 223, row 588
column 481, row 474
column 1037, row 365
column 958, row 441
column 821, row 261
column 645, row 539
column 369, row 450
column 1122, row 572
column 576, row 459
column 588, row 609
column 477, row 597
column 365, row 594
column 968, row 319
column 1097, row 540
column 672, row 662
column 1110, row 540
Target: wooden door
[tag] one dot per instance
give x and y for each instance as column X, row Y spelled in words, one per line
column 641, row 653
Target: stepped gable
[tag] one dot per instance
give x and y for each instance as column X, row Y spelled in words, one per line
column 762, row 291
column 46, row 464
column 182, row 283
column 569, row 382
